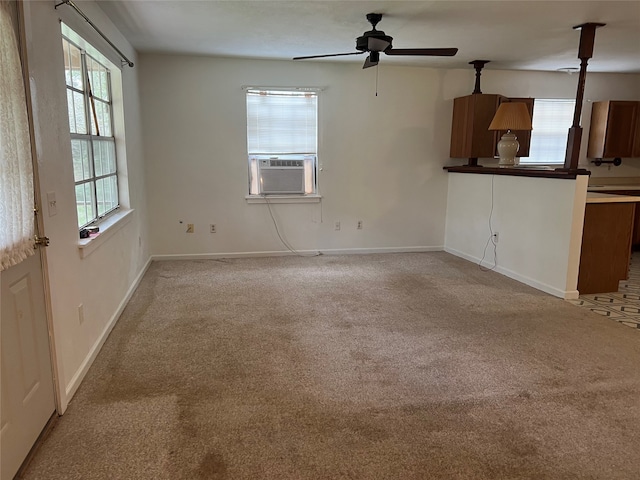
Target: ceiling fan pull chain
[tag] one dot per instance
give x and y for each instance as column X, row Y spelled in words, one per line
column 376, row 80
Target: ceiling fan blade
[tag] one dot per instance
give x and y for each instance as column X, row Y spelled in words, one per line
column 430, row 52
column 328, row 55
column 377, row 45
column 372, row 60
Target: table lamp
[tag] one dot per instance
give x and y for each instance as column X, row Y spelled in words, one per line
column 510, row 116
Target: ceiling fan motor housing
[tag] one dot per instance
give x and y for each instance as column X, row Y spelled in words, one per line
column 362, row 43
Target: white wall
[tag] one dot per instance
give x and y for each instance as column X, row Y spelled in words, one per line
column 102, row 281
column 539, row 222
column 381, row 157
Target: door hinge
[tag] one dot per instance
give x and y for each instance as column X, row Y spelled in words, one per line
column 41, row 241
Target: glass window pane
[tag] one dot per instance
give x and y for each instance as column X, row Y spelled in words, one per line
column 85, row 203
column 77, row 119
column 105, row 79
column 67, row 62
column 91, row 66
column 99, row 81
column 107, row 194
column 104, row 155
column 81, row 160
column 70, row 110
column 73, row 64
column 104, row 118
column 98, row 75
column 96, row 84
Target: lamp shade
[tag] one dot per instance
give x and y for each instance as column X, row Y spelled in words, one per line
column 511, row 116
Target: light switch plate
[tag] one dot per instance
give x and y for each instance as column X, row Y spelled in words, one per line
column 51, row 204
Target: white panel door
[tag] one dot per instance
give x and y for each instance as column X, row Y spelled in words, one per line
column 27, row 380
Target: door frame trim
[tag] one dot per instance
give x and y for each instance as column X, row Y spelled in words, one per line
column 39, row 223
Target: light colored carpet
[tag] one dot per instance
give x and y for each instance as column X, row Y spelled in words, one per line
column 396, row 366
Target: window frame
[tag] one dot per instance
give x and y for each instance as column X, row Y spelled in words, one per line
column 90, row 136
column 311, row 181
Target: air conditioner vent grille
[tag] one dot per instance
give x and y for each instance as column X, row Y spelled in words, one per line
column 285, row 163
column 282, row 180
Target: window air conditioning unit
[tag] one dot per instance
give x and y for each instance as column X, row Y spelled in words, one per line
column 281, row 176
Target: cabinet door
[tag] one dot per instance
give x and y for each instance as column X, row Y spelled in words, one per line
column 597, row 129
column 621, row 128
column 523, row 136
column 636, row 137
column 636, row 219
column 470, row 134
column 606, row 246
column 461, row 133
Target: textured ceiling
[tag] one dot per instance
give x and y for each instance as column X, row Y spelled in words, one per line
column 521, row 35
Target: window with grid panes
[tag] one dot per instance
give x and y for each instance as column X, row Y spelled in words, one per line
column 92, row 138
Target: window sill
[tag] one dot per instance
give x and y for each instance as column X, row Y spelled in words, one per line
column 108, row 227
column 283, row 199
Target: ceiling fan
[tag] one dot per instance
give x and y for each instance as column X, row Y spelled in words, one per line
column 375, row 41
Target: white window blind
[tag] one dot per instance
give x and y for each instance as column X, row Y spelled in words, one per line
column 552, row 119
column 282, row 122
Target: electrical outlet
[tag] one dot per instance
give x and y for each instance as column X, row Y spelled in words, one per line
column 189, row 227
column 212, row 228
column 359, row 227
column 337, row 226
column 495, row 237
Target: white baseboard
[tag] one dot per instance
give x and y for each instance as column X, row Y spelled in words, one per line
column 75, row 382
column 330, row 251
column 551, row 290
column 571, row 294
column 217, row 256
column 364, row 251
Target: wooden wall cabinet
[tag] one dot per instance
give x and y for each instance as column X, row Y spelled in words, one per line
column 614, row 130
column 636, row 137
column 470, row 134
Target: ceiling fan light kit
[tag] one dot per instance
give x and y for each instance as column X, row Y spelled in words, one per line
column 375, row 41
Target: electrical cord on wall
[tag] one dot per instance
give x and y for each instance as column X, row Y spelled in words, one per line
column 491, row 239
column 281, row 237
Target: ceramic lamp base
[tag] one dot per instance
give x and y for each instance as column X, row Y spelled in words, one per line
column 508, row 147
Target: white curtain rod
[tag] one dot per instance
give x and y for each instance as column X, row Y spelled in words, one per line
column 125, row 60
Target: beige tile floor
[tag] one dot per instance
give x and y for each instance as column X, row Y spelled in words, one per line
column 622, row 306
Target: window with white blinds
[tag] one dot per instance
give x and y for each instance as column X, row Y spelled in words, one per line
column 282, row 122
column 552, row 119
column 282, row 141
